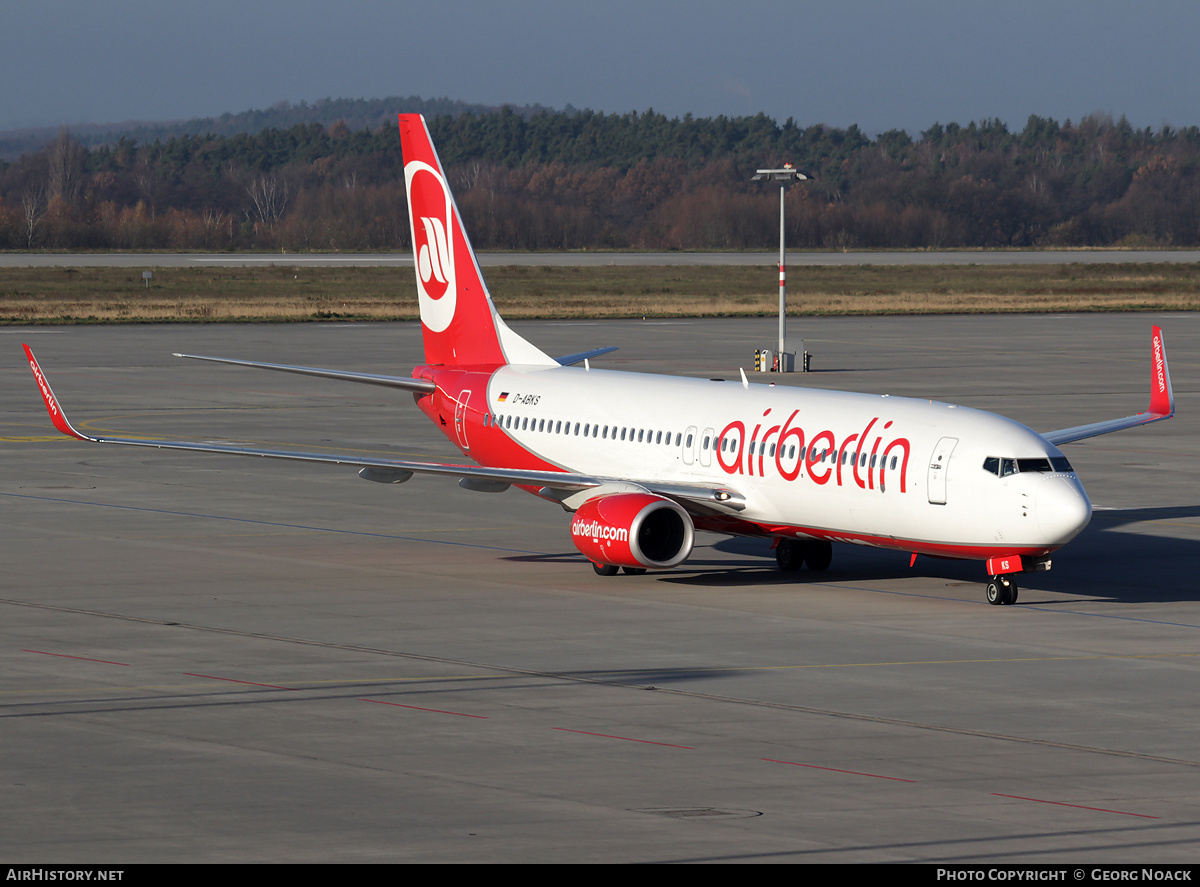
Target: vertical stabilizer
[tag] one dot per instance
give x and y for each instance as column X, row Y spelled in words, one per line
column 459, row 321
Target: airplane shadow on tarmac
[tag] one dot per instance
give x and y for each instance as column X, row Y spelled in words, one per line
column 1121, row 557
column 1130, row 555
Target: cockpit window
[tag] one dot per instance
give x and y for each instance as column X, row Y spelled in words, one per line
column 1005, row 467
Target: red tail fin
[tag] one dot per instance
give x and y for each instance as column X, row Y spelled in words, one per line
column 459, row 321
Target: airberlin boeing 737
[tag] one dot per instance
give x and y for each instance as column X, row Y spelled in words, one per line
column 642, row 461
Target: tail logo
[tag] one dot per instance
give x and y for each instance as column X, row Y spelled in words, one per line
column 433, row 243
column 435, row 265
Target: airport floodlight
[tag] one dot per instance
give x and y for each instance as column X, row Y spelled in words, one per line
column 788, row 174
column 784, row 177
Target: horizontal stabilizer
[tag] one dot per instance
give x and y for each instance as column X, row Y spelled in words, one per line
column 423, row 386
column 572, row 359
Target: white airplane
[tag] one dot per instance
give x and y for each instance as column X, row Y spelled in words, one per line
column 643, row 461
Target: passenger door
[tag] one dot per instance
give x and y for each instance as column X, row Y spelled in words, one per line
column 939, row 464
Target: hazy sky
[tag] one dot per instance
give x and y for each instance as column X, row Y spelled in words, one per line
column 881, row 65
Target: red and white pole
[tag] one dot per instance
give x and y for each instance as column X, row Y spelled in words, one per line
column 782, row 279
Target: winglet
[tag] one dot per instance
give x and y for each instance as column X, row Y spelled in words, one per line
column 1162, row 401
column 1162, row 398
column 57, row 416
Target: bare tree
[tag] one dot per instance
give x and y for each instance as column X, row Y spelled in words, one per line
column 467, row 176
column 33, row 204
column 66, row 167
column 270, row 195
column 217, row 224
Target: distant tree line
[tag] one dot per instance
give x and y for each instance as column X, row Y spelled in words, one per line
column 355, row 113
column 585, row 180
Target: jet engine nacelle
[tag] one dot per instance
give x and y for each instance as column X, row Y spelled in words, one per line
column 636, row 530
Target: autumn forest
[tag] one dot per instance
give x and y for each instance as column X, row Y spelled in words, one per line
column 584, row 180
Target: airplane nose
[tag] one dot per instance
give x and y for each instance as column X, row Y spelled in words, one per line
column 1063, row 509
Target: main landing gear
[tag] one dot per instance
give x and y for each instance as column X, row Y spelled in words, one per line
column 792, row 554
column 1002, row 590
column 610, row 570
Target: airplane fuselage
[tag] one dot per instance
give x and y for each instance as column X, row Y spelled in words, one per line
column 914, row 475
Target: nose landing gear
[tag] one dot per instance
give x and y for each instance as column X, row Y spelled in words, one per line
column 1002, row 590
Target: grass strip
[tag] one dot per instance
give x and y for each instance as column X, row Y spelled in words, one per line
column 304, row 293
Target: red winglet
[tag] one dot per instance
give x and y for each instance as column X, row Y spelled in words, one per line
column 56, row 414
column 1162, row 399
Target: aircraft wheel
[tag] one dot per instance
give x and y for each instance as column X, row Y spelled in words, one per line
column 634, row 571
column 605, row 569
column 995, row 592
column 818, row 555
column 789, row 555
column 1002, row 591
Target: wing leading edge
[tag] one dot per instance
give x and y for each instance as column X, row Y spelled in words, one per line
column 1162, row 401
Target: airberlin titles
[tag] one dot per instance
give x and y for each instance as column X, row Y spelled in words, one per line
column 56, row 414
column 821, row 457
column 596, row 531
column 1160, row 375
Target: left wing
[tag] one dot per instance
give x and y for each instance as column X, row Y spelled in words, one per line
column 1162, row 401
column 477, row 477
